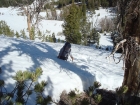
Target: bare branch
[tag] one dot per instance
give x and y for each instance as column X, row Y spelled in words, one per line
column 129, row 47
column 118, row 46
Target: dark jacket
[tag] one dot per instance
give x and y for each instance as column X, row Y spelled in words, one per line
column 65, row 52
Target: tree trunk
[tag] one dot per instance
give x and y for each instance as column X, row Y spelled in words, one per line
column 29, row 25
column 132, row 29
column 131, row 76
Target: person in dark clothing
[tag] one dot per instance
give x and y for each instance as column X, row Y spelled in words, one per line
column 65, row 52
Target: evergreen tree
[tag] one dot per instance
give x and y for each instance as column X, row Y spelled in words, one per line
column 23, row 34
column 58, row 40
column 104, row 3
column 5, row 29
column 46, row 38
column 11, row 34
column 97, row 38
column 50, row 38
column 8, row 31
column 4, row 3
column 7, row 3
column 72, row 25
column 84, row 26
column 91, row 5
column 84, row 9
column 99, row 3
column 17, row 34
column 39, row 34
column 85, row 31
column 43, row 37
column 112, row 3
column 53, row 37
column 32, row 33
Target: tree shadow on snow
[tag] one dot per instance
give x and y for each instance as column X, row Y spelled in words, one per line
column 41, row 52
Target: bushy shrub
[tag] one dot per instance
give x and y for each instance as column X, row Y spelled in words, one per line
column 26, row 85
column 5, row 29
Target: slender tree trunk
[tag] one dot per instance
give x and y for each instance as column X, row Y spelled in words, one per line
column 29, row 25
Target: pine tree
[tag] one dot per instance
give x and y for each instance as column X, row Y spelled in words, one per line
column 39, row 34
column 4, row 3
column 32, row 33
column 72, row 25
column 50, row 38
column 5, row 29
column 53, row 37
column 58, row 40
column 97, row 38
column 46, row 38
column 104, row 3
column 17, row 34
column 23, row 34
column 91, row 5
column 84, row 26
column 43, row 37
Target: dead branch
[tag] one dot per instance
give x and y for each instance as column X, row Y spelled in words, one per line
column 129, row 47
column 118, row 46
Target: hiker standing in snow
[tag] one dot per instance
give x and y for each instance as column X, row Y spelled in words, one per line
column 65, row 52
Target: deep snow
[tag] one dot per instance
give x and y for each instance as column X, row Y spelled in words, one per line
column 89, row 65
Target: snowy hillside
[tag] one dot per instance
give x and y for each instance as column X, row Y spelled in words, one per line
column 89, row 65
column 17, row 22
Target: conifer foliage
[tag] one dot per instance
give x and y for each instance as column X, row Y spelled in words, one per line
column 72, row 25
column 26, row 85
column 85, row 26
column 5, row 29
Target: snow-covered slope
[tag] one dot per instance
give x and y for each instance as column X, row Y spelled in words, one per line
column 89, row 65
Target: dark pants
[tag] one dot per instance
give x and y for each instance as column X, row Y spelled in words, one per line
column 63, row 58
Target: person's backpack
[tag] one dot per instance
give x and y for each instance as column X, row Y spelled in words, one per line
column 66, row 50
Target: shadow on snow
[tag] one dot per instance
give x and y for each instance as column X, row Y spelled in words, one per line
column 38, row 56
